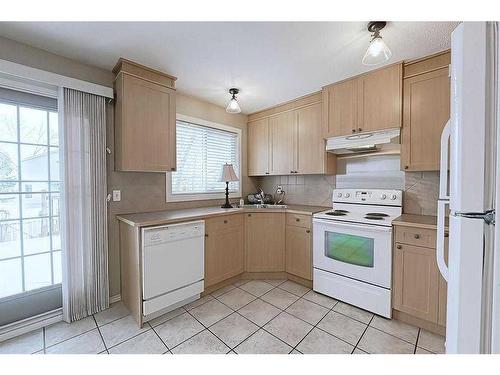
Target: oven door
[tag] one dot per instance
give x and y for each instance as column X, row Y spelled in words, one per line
column 358, row 251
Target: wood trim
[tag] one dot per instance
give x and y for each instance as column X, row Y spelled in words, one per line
column 130, row 264
column 303, row 101
column 144, row 72
column 264, row 275
column 424, row 324
column 299, row 280
column 427, row 64
column 221, row 284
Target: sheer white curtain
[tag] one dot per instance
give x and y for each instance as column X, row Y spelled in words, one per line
column 84, row 212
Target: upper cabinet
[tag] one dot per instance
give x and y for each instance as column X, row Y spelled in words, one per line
column 288, row 140
column 258, row 147
column 426, row 109
column 144, row 119
column 369, row 102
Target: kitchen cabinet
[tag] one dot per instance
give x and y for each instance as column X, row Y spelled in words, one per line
column 426, row 109
column 224, row 248
column 366, row 103
column 258, row 147
column 340, row 108
column 298, row 253
column 418, row 287
column 282, row 130
column 265, row 242
column 144, row 129
column 288, row 140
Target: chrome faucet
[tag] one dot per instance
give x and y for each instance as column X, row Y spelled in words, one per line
column 260, row 196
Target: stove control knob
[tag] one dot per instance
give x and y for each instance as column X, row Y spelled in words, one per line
column 383, row 196
column 347, row 195
column 339, row 195
column 393, row 197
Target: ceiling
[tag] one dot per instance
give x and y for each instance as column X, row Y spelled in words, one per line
column 270, row 62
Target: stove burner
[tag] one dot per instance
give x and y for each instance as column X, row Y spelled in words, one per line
column 337, row 213
column 376, row 214
column 374, row 218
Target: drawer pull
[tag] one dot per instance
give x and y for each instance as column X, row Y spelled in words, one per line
column 206, row 234
column 308, row 231
column 225, row 221
column 417, row 236
column 297, row 220
column 399, row 247
column 446, row 235
column 249, row 214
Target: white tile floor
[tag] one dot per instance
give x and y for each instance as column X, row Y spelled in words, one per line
column 258, row 316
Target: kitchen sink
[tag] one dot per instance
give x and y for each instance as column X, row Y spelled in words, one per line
column 270, row 206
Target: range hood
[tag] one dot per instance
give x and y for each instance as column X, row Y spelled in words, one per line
column 374, row 142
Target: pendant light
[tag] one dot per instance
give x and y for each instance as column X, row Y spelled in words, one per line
column 233, row 106
column 377, row 51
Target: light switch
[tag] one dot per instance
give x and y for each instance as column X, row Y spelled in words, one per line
column 117, row 195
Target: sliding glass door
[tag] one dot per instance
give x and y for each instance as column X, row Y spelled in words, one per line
column 30, row 244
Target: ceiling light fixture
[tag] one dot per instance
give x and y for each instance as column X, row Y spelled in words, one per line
column 233, row 106
column 377, row 51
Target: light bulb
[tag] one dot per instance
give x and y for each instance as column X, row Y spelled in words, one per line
column 233, row 106
column 377, row 52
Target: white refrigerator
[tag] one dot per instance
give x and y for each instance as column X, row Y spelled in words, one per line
column 469, row 192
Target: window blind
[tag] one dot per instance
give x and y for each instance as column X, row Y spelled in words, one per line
column 201, row 152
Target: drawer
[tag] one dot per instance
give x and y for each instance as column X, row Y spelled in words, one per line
column 416, row 236
column 298, row 220
column 223, row 222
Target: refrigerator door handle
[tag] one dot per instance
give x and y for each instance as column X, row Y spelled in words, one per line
column 443, row 268
column 443, row 168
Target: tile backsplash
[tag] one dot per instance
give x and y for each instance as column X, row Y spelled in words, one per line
column 421, row 189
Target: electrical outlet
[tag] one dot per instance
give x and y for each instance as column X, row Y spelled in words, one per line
column 117, row 195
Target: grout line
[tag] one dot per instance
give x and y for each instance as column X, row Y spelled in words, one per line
column 207, row 328
column 416, row 342
column 360, row 337
column 156, row 333
column 72, row 337
column 100, row 334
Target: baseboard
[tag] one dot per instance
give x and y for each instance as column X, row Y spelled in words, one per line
column 115, row 298
column 424, row 324
column 30, row 324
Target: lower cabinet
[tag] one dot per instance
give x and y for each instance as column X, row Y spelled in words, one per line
column 224, row 248
column 418, row 287
column 265, row 242
column 298, row 246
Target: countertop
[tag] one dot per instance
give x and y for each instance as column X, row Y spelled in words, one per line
column 145, row 219
column 418, row 221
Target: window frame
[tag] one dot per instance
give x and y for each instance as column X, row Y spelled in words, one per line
column 170, row 197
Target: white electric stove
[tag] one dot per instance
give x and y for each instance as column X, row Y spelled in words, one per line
column 352, row 248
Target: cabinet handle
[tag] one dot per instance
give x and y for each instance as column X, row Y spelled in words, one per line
column 206, row 234
column 359, row 129
column 249, row 214
column 291, row 171
column 417, row 236
column 297, row 220
column 399, row 247
column 225, row 221
column 308, row 231
column 406, row 167
column 267, row 172
column 354, row 130
column 446, row 235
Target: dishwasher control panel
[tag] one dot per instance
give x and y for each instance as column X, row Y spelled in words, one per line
column 158, row 235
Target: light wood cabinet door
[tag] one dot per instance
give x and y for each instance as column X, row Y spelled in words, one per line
column 258, row 147
column 144, row 126
column 380, row 99
column 282, row 146
column 310, row 157
column 426, row 109
column 416, row 281
column 340, row 108
column 265, row 242
column 224, row 248
column 298, row 252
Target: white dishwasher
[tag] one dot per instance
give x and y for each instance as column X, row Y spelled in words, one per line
column 173, row 263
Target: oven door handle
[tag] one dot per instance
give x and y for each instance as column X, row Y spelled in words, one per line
column 372, row 228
